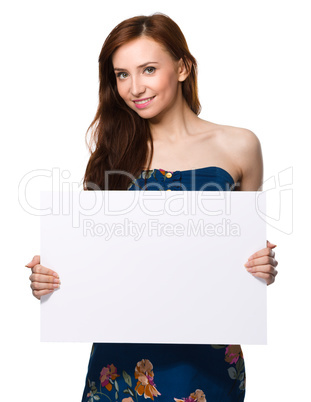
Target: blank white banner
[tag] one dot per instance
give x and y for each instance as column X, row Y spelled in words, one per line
column 153, row 266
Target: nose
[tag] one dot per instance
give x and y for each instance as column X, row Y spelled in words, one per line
column 137, row 86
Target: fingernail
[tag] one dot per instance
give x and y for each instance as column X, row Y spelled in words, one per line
column 247, row 264
column 56, row 280
column 55, row 274
column 55, row 286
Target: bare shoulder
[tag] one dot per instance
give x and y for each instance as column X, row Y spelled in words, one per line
column 239, row 139
column 246, row 149
column 242, row 147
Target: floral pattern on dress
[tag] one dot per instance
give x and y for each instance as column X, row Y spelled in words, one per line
column 108, row 379
column 145, row 388
column 145, row 384
column 197, row 396
column 234, row 356
column 107, row 374
column 144, row 174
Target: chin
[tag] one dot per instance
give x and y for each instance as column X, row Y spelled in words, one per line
column 145, row 114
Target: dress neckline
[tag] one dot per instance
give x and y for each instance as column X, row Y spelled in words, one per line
column 191, row 170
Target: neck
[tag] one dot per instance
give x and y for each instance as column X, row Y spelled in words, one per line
column 175, row 124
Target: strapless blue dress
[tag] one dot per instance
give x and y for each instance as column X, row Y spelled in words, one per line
column 168, row 372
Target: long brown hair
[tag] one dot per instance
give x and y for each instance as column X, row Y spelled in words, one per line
column 118, row 134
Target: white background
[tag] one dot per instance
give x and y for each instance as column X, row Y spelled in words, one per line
column 254, row 72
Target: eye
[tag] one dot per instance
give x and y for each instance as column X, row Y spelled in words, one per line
column 122, row 75
column 150, row 70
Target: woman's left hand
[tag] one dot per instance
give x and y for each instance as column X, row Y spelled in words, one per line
column 262, row 264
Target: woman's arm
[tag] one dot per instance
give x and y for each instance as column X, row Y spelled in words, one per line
column 261, row 264
column 249, row 160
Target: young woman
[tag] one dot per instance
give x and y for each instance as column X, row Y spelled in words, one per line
column 148, row 134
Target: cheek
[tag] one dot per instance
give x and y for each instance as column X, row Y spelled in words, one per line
column 121, row 87
column 169, row 84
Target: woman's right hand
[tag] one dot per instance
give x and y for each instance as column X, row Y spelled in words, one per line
column 43, row 280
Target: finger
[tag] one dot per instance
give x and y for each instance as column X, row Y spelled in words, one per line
column 40, row 269
column 34, row 261
column 267, row 277
column 43, row 278
column 44, row 286
column 265, row 251
column 266, row 260
column 265, row 269
column 39, row 293
column 271, row 245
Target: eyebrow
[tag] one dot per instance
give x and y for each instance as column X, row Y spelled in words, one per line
column 141, row 66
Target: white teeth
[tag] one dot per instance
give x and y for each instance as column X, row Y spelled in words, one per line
column 143, row 101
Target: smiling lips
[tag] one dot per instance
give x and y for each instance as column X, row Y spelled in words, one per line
column 141, row 103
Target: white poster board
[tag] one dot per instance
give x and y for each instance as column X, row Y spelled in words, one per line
column 153, row 266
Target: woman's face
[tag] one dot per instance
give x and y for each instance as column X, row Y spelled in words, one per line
column 148, row 79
